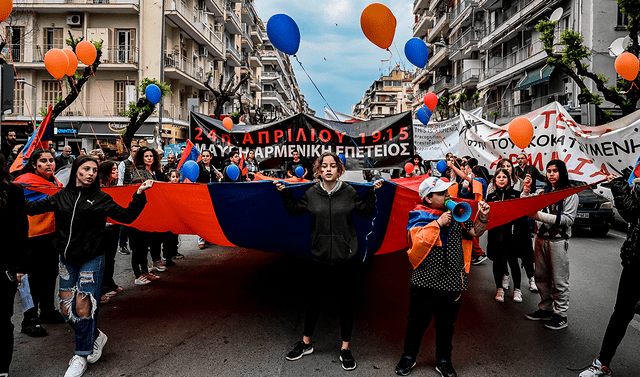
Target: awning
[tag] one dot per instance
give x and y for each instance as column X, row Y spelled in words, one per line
column 534, row 77
column 112, row 130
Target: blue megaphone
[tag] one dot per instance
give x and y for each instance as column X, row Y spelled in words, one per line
column 461, row 211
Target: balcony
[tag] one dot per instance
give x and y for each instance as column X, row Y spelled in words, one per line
column 91, row 6
column 196, row 25
column 502, row 67
column 468, row 77
column 254, row 60
column 232, row 23
column 465, row 45
column 462, row 10
column 509, row 110
column 175, row 112
column 256, row 34
column 246, row 41
column 441, row 27
column 272, row 57
column 422, row 25
column 419, row 4
column 216, row 7
column 439, row 55
column 248, row 13
column 274, row 98
column 33, row 57
column 441, row 84
column 233, row 57
column 179, row 67
column 508, row 20
column 433, row 5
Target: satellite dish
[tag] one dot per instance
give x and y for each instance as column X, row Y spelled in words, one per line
column 617, row 47
column 555, row 16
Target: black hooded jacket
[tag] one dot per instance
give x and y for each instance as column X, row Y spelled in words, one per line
column 333, row 233
column 627, row 202
column 80, row 217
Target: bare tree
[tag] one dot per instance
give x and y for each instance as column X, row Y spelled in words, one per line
column 224, row 93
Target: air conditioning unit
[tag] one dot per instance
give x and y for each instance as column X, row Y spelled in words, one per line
column 204, row 52
column 74, row 20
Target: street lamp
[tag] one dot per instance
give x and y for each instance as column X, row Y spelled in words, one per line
column 35, row 94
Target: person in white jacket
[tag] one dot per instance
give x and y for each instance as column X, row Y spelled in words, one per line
column 551, row 251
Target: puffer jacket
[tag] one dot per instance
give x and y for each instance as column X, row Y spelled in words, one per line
column 81, row 214
column 333, row 233
column 627, row 202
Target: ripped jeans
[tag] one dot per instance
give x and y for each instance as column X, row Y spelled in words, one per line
column 85, row 279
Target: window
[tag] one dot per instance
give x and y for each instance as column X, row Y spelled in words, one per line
column 18, row 98
column 51, row 92
column 52, row 38
column 16, row 37
column 120, row 90
column 623, row 20
column 126, row 41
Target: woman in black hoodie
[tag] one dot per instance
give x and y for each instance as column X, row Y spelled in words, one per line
column 331, row 203
column 81, row 210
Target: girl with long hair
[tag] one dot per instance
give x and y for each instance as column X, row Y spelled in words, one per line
column 14, row 228
column 81, row 210
column 331, row 203
column 43, row 270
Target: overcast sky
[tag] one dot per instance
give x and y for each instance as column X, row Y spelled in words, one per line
column 339, row 58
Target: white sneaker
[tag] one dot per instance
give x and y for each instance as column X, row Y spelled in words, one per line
column 500, row 295
column 98, row 345
column 596, row 369
column 505, row 282
column 77, row 366
column 142, row 280
column 517, row 295
column 532, row 284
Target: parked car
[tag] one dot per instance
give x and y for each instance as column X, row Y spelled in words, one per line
column 604, row 189
column 594, row 211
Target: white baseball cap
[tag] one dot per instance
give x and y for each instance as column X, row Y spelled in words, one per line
column 432, row 184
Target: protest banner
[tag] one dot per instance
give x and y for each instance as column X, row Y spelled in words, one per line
column 385, row 142
column 590, row 153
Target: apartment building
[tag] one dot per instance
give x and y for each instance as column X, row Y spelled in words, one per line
column 177, row 41
column 491, row 48
column 388, row 95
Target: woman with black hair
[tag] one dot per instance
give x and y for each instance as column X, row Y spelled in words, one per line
column 81, row 210
column 43, row 269
column 108, row 173
column 551, row 250
column 14, row 228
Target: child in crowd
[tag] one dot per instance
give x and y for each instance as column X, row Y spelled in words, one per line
column 171, row 241
column 439, row 273
column 551, row 251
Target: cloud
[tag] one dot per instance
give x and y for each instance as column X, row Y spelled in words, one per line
column 337, row 10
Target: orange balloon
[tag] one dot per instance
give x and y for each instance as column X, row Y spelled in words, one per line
column 6, row 6
column 56, row 62
column 86, row 52
column 521, row 132
column 378, row 24
column 73, row 62
column 627, row 66
column 431, row 100
column 227, row 123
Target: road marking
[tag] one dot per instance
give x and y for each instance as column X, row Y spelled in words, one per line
column 635, row 324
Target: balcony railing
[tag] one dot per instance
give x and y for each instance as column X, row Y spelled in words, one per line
column 441, row 83
column 234, row 52
column 183, row 64
column 516, row 7
column 498, row 64
column 460, row 8
column 271, row 94
column 175, row 112
column 469, row 35
column 274, row 55
column 110, row 54
column 232, row 14
column 470, row 74
column 92, row 2
column 507, row 109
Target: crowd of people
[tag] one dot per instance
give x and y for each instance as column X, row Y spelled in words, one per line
column 80, row 250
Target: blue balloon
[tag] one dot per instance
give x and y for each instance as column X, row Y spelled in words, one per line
column 442, row 166
column 300, row 171
column 190, row 170
column 233, row 172
column 424, row 115
column 153, row 93
column 416, row 52
column 283, row 33
column 343, row 159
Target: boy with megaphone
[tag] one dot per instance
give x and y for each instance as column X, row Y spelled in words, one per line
column 439, row 271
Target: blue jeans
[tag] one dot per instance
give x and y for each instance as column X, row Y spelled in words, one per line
column 86, row 280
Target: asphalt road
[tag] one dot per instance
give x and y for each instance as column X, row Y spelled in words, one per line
column 237, row 312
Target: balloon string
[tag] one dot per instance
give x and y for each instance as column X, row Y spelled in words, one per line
column 330, row 108
column 15, row 70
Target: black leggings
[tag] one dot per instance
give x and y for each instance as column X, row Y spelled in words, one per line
column 623, row 312
column 338, row 282
column 500, row 269
column 139, row 243
column 43, row 275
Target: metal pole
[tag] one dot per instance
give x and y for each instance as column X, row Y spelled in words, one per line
column 161, row 107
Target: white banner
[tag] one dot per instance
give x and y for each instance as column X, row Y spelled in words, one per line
column 434, row 141
column 591, row 153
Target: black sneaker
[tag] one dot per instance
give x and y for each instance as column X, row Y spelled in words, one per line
column 53, row 316
column 478, row 260
column 178, row 256
column 557, row 323
column 405, row 365
column 300, row 349
column 124, row 251
column 539, row 315
column 169, row 262
column 445, row 368
column 348, row 362
column 33, row 328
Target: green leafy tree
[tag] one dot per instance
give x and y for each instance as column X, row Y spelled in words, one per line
column 138, row 112
column 573, row 61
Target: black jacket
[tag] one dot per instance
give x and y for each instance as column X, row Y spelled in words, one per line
column 80, row 217
column 14, row 231
column 206, row 176
column 533, row 172
column 627, row 202
column 333, row 234
column 512, row 237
